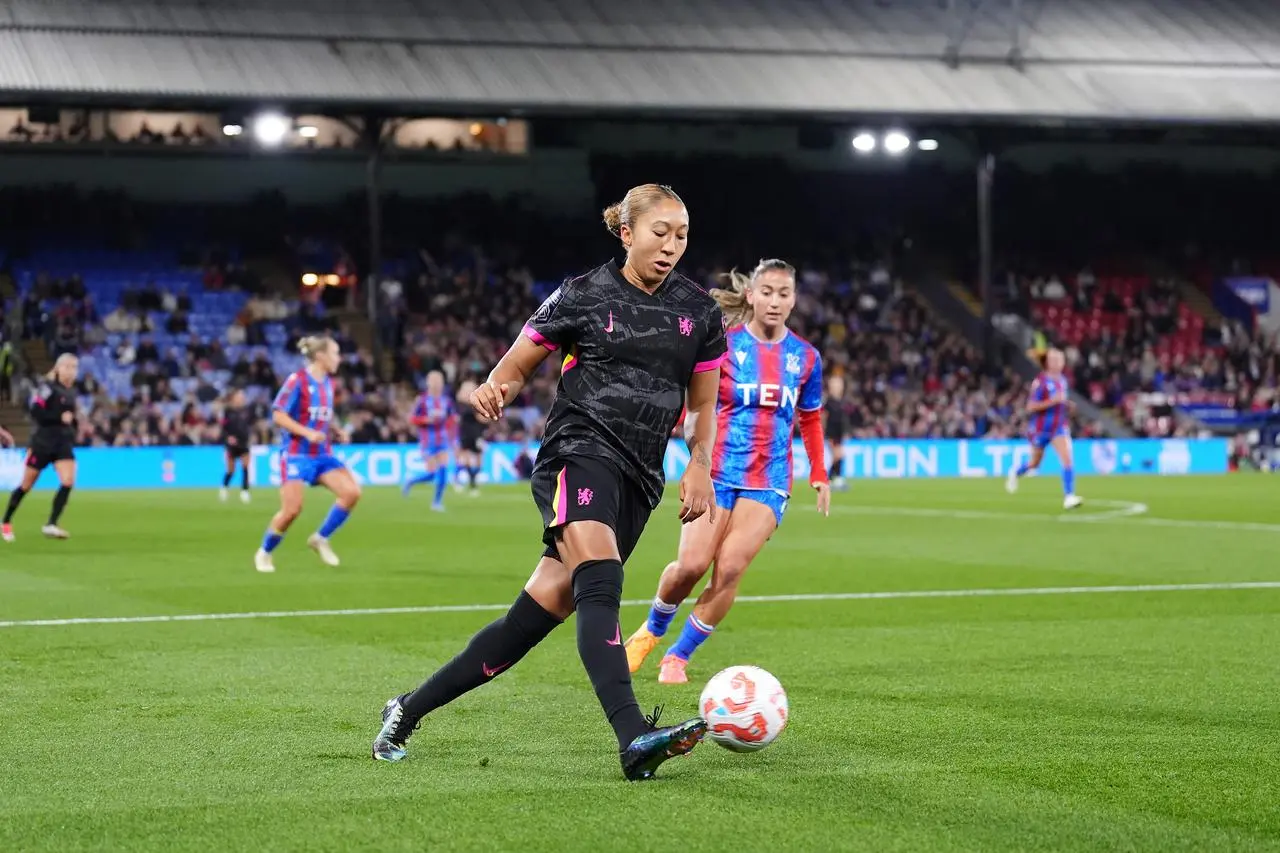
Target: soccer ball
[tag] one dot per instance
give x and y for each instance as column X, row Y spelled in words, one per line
column 745, row 708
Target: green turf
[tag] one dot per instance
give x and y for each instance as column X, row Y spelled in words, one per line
column 1090, row 721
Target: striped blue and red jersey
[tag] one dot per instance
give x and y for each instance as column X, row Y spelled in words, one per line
column 1055, row 419
column 762, row 388
column 309, row 401
column 432, row 416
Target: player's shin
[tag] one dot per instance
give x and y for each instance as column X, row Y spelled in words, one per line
column 1068, row 481
column 597, row 595
column 496, row 648
column 59, row 505
column 15, row 499
column 337, row 517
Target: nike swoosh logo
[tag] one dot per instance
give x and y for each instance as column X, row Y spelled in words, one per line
column 490, row 673
column 609, row 328
column 617, row 638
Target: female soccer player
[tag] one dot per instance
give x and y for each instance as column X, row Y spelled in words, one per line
column 431, row 416
column 637, row 343
column 53, row 408
column 771, row 377
column 470, row 432
column 1050, row 424
column 836, row 426
column 304, row 412
column 237, row 423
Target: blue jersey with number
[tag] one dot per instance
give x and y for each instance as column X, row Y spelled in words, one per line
column 309, row 401
column 762, row 387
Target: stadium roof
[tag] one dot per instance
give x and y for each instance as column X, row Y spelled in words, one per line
column 1076, row 59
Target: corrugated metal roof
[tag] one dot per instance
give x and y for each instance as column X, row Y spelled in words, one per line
column 1086, row 58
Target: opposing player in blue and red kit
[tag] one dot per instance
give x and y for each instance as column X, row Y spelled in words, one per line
column 433, row 416
column 1048, row 410
column 770, row 383
column 303, row 410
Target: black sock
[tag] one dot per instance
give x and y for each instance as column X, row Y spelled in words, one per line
column 226, row 480
column 59, row 504
column 15, row 498
column 834, row 471
column 244, row 477
column 496, row 648
column 471, row 475
column 597, row 594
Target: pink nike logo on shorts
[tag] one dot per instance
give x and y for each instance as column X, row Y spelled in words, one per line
column 490, row 673
column 617, row 638
column 609, row 328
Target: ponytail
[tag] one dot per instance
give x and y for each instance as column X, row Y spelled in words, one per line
column 313, row 345
column 733, row 300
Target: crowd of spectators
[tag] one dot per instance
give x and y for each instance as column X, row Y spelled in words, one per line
column 906, row 375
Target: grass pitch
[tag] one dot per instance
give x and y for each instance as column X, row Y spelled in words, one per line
column 1084, row 720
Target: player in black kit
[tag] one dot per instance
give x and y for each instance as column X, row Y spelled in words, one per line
column 470, row 432
column 637, row 344
column 53, row 408
column 237, row 423
column 836, row 427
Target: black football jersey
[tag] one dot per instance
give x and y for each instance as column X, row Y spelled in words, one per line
column 626, row 361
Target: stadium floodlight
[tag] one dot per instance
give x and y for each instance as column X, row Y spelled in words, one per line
column 896, row 142
column 270, row 128
column 308, row 131
column 310, row 279
column 864, row 143
column 232, row 130
column 927, row 144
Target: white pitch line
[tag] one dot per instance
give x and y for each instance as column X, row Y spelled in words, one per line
column 749, row 599
column 1130, row 515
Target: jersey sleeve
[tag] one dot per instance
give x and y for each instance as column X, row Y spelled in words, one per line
column 290, row 395
column 44, row 409
column 811, row 390
column 555, row 324
column 714, row 347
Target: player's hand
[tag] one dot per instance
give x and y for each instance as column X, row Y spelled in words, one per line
column 6, row 438
column 315, row 436
column 488, row 400
column 824, row 497
column 697, row 495
column 68, row 417
column 231, row 440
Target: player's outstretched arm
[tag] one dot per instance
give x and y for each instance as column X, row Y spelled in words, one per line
column 697, row 495
column 508, row 378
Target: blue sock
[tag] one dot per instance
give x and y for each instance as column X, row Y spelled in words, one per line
column 442, row 483
column 694, row 634
column 660, row 616
column 1068, row 481
column 271, row 539
column 419, row 480
column 1023, row 469
column 336, row 518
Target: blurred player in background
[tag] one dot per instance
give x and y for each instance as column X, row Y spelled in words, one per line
column 470, row 433
column 836, row 426
column 303, row 410
column 432, row 416
column 53, row 408
column 638, row 343
column 770, row 380
column 1049, row 411
column 237, row 423
column 6, row 438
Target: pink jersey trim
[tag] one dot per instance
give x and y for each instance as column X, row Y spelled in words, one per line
column 534, row 335
column 704, row 366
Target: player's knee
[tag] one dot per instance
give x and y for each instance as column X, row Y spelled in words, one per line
column 689, row 569
column 350, row 496
column 730, row 568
